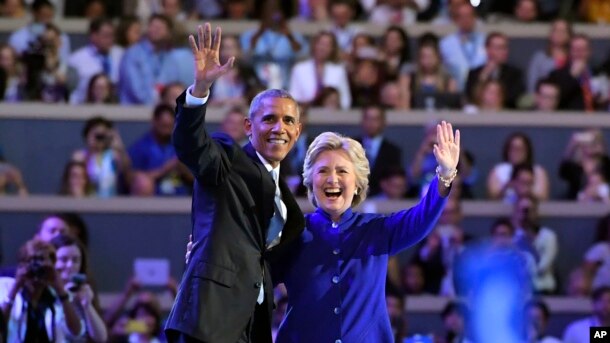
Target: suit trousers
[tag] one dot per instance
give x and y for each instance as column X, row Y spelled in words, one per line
column 258, row 329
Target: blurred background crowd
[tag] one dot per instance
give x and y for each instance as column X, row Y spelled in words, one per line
column 136, row 53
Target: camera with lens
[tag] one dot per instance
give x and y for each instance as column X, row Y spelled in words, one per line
column 37, row 270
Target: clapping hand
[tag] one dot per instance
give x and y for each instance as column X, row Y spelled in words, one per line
column 207, row 61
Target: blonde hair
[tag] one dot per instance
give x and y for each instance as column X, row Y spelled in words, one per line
column 331, row 141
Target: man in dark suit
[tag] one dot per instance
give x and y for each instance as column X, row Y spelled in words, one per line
column 243, row 213
column 574, row 79
column 496, row 68
column 380, row 152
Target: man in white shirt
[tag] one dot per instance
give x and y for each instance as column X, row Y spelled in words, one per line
column 578, row 331
column 99, row 56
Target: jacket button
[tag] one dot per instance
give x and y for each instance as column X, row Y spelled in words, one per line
column 335, row 279
column 337, row 310
column 258, row 285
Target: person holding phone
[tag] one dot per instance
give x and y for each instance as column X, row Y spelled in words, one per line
column 71, row 267
column 105, row 157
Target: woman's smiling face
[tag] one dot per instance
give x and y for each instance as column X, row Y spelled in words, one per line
column 334, row 182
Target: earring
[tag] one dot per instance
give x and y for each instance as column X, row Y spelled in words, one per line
column 356, row 191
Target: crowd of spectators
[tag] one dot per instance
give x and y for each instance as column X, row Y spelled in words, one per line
column 136, row 51
column 137, row 55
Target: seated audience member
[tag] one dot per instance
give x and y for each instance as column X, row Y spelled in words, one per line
column 454, row 316
column 75, row 181
column 380, row 152
column 71, row 266
column 323, row 69
column 156, row 169
column 597, row 185
column 43, row 12
column 328, row 98
column 464, row 49
column 240, row 83
column 578, row 90
column 233, row 125
column 540, row 240
column 138, row 321
column 35, row 304
column 585, row 152
column 440, row 249
column 11, row 75
column 14, row 9
column 517, row 149
column 547, row 96
column 365, row 82
column 171, row 92
column 596, row 266
column 578, row 331
column 538, row 313
column 129, row 31
column 578, row 284
column 391, row 98
column 273, row 47
column 105, row 157
column 362, row 47
column 397, row 12
column 101, row 90
column 395, row 303
column 429, row 76
column 413, row 281
column 100, row 56
column 141, row 73
column 553, row 56
column 393, row 184
column 526, row 11
column 394, row 52
column 489, row 98
column 11, row 179
column 496, row 68
column 521, row 183
column 342, row 13
column 173, row 9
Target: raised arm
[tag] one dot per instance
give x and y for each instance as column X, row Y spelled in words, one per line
column 194, row 147
column 408, row 227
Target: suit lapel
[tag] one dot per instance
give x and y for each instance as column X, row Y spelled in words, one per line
column 263, row 189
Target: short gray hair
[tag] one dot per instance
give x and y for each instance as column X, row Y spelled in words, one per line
column 257, row 102
column 331, row 141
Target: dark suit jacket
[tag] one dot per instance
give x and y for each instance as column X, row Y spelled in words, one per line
column 389, row 155
column 511, row 79
column 570, row 92
column 233, row 202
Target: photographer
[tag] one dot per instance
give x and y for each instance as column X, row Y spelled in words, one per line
column 71, row 267
column 46, row 69
column 107, row 162
column 36, row 306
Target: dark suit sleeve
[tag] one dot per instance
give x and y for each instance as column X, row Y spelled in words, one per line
column 515, row 86
column 206, row 158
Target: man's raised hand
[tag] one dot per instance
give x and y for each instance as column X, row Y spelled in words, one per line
column 207, row 62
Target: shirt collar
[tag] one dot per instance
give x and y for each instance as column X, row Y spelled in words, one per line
column 268, row 165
